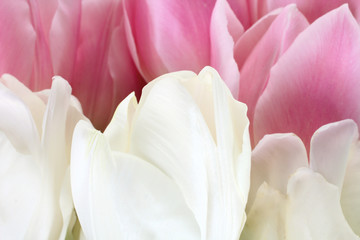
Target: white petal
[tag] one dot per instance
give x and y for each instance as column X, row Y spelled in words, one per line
column 266, row 219
column 350, row 195
column 20, row 186
column 172, row 131
column 275, row 158
column 118, row 130
column 314, row 210
column 17, row 122
column 120, row 196
column 33, row 102
column 330, row 148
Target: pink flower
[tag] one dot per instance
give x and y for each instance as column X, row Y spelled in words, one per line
column 166, row 36
column 296, row 77
column 83, row 41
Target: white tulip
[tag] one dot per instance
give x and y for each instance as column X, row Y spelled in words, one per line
column 35, row 140
column 294, row 200
column 174, row 166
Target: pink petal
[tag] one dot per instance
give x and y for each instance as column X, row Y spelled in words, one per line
column 17, row 39
column 315, row 82
column 311, row 9
column 224, row 31
column 168, row 35
column 98, row 81
column 256, row 69
column 63, row 37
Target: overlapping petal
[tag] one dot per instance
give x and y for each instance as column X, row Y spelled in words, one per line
column 34, row 163
column 300, row 101
column 173, row 139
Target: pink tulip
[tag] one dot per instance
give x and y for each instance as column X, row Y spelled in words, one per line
column 83, row 41
column 166, row 36
column 296, row 77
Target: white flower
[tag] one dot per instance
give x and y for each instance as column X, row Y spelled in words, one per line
column 174, row 166
column 35, row 136
column 293, row 199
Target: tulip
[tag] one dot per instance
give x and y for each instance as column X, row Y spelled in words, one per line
column 83, row 41
column 297, row 78
column 166, row 36
column 290, row 198
column 35, row 135
column 175, row 165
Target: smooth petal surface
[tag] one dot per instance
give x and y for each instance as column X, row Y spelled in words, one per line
column 330, row 148
column 104, row 73
column 314, row 210
column 225, row 29
column 274, row 160
column 301, row 101
column 36, row 204
column 185, row 146
column 161, row 129
column 275, row 41
column 168, row 36
column 311, row 9
column 111, row 208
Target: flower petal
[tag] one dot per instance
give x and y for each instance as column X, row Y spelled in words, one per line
column 222, row 38
column 330, row 149
column 274, row 160
column 255, row 71
column 168, row 36
column 309, row 192
column 124, row 198
column 170, row 131
column 301, row 101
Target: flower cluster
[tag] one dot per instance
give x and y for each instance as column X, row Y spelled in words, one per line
column 192, row 119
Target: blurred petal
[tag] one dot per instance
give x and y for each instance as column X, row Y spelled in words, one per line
column 14, row 30
column 17, row 123
column 274, row 160
column 330, row 147
column 314, row 210
column 64, row 35
column 266, row 219
column 279, row 36
column 20, row 186
column 350, row 196
column 301, row 101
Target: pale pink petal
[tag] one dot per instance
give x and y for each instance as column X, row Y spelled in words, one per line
column 255, row 71
column 17, row 40
column 224, row 31
column 315, row 82
column 251, row 37
column 167, row 36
